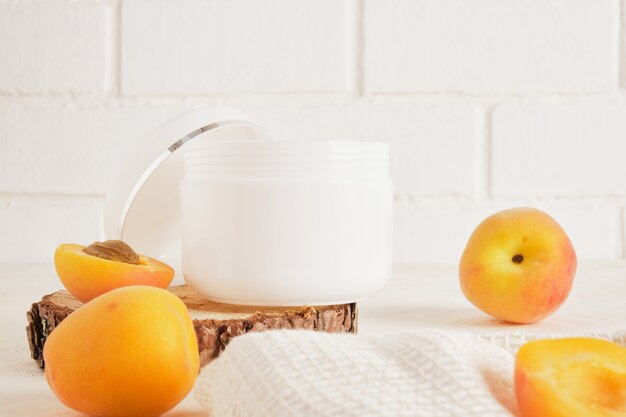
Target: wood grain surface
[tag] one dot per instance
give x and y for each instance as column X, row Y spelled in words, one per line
column 215, row 324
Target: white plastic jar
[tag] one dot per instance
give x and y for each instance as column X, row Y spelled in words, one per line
column 286, row 223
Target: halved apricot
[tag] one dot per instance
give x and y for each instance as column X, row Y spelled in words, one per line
column 87, row 272
column 572, row 377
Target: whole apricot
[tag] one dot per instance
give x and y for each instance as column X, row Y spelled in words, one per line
column 130, row 352
column 572, row 377
column 518, row 265
column 89, row 271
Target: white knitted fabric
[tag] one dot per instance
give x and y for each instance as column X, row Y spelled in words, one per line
column 303, row 373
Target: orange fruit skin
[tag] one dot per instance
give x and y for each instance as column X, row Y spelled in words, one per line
column 130, row 352
column 86, row 276
column 572, row 377
column 523, row 292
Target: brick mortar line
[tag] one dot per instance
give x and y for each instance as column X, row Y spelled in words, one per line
column 621, row 53
column 323, row 97
column 605, row 200
column 358, row 32
column 618, row 243
column 482, row 160
column 622, row 231
column 617, row 92
column 37, row 199
column 29, row 2
column 450, row 200
column 114, row 49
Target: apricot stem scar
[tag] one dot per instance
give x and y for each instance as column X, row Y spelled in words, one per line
column 517, row 258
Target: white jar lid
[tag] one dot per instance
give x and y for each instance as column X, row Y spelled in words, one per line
column 143, row 208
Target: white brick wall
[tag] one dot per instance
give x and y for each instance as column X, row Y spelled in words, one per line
column 55, row 46
column 443, row 230
column 490, row 46
column 487, row 104
column 33, row 227
column 226, row 46
column 71, row 149
column 563, row 150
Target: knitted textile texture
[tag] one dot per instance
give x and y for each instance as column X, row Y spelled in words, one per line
column 303, row 373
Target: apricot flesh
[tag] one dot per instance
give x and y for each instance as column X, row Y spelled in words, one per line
column 130, row 352
column 86, row 276
column 572, row 377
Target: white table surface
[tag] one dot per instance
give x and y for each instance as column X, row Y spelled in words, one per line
column 426, row 298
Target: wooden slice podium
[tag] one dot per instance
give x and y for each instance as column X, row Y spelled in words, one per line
column 215, row 323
